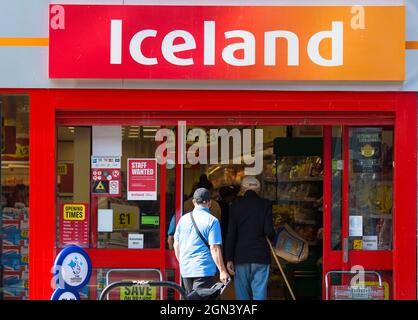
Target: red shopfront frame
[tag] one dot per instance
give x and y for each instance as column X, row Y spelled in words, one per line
column 49, row 108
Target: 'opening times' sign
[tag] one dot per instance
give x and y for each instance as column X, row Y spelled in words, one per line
column 74, row 224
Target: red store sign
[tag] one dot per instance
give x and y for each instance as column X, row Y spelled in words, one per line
column 227, row 42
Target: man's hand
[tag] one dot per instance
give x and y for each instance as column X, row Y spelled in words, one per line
column 224, row 276
column 230, row 267
column 170, row 241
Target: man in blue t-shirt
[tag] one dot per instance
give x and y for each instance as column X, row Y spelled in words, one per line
column 199, row 261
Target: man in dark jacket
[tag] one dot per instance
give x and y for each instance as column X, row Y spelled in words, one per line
column 247, row 250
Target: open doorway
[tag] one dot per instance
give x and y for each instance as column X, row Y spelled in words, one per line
column 291, row 178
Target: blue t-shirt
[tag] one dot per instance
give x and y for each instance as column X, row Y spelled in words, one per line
column 172, row 226
column 195, row 257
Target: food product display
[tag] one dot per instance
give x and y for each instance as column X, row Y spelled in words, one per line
column 296, row 190
column 299, row 167
column 14, row 251
column 225, row 175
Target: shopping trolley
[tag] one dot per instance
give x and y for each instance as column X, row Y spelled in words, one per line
column 142, row 283
column 218, row 288
column 354, row 292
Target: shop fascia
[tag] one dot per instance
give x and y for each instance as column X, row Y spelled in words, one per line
column 247, row 147
column 170, row 46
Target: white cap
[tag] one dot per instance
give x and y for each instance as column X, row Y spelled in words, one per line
column 250, row 183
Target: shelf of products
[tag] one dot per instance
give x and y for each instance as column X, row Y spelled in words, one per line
column 297, row 196
column 294, row 186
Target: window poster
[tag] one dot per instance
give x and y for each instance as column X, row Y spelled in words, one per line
column 74, row 224
column 142, row 179
column 365, row 146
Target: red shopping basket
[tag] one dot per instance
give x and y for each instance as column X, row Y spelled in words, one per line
column 354, row 292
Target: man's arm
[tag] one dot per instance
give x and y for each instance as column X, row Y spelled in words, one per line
column 176, row 250
column 231, row 236
column 216, row 252
column 230, row 241
column 268, row 223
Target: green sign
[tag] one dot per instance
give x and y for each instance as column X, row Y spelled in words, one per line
column 150, row 220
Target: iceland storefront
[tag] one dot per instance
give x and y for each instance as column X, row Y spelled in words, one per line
column 112, row 110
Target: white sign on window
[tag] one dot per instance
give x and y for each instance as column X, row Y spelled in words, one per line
column 105, row 220
column 355, row 228
column 136, row 241
column 370, row 243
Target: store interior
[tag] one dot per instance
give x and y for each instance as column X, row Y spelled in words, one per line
column 290, row 178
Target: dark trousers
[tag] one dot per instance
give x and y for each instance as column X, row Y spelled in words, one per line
column 199, row 282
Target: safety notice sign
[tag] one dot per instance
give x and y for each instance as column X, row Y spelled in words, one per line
column 105, row 176
column 142, row 179
column 74, row 224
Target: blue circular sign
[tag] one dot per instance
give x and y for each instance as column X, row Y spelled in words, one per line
column 63, row 294
column 73, row 268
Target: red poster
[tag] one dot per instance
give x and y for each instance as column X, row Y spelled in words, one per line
column 142, row 179
column 74, row 224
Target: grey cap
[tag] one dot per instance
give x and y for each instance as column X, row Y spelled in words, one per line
column 202, row 195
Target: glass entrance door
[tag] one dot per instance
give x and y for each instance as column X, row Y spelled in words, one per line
column 359, row 211
column 127, row 198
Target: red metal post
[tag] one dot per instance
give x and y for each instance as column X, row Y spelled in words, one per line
column 327, row 203
column 42, row 200
column 163, row 232
column 405, row 199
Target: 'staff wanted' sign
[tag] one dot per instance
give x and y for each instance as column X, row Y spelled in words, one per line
column 142, row 179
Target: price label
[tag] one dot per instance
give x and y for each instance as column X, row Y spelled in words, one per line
column 124, row 220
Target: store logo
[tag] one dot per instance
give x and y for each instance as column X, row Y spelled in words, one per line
column 247, row 147
column 227, row 42
column 177, row 41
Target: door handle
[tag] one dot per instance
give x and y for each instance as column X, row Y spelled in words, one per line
column 345, row 248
